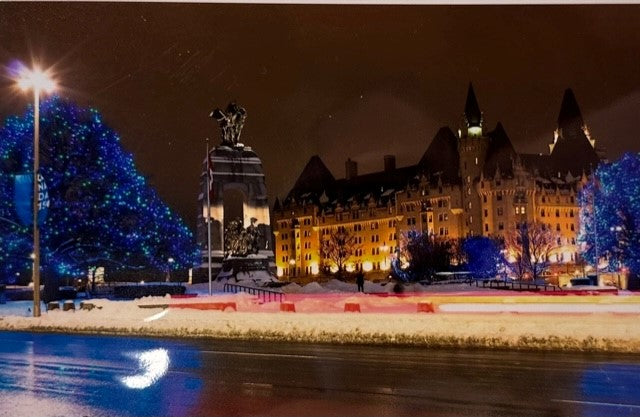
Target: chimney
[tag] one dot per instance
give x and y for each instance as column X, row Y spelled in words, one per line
column 389, row 163
column 351, row 168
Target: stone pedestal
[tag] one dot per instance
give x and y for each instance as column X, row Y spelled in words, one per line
column 236, row 173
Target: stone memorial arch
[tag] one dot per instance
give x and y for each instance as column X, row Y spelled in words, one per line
column 237, row 190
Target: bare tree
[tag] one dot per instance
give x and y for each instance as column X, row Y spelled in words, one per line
column 338, row 248
column 530, row 244
column 421, row 255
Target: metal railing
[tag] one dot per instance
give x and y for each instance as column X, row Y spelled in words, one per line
column 536, row 286
column 513, row 285
column 260, row 292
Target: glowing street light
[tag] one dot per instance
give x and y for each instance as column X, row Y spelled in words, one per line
column 292, row 270
column 38, row 81
column 170, row 261
column 385, row 249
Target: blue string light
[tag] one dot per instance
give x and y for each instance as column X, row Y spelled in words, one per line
column 610, row 214
column 102, row 213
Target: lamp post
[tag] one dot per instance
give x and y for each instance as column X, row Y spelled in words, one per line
column 38, row 81
column 292, row 269
column 170, row 261
column 616, row 231
column 384, row 249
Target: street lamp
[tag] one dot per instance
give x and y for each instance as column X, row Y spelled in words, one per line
column 38, row 81
column 384, row 249
column 292, row 270
column 170, row 261
column 616, row 230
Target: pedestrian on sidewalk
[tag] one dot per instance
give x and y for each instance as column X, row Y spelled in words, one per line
column 360, row 281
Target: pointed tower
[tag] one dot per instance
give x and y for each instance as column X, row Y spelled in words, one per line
column 472, row 114
column 472, row 151
column 570, row 115
column 572, row 149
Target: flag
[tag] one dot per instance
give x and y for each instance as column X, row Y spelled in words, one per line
column 209, row 174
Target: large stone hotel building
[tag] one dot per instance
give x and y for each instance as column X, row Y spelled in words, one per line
column 466, row 184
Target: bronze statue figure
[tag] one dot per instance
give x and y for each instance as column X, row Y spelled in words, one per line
column 230, row 122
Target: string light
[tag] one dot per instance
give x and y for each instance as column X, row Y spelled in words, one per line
column 610, row 214
column 102, row 213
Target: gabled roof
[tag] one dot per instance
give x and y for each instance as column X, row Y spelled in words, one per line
column 539, row 163
column 375, row 183
column 315, row 177
column 472, row 113
column 441, row 157
column 500, row 153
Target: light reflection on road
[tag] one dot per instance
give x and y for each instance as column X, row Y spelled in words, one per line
column 43, row 375
column 153, row 364
column 54, row 375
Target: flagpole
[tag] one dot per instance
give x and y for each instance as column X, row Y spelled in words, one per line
column 209, row 212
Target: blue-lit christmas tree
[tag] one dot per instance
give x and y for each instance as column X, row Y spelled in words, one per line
column 102, row 211
column 610, row 214
column 484, row 256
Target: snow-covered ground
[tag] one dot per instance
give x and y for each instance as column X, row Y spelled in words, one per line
column 465, row 316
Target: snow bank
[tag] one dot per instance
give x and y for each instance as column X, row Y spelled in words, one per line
column 313, row 288
column 513, row 322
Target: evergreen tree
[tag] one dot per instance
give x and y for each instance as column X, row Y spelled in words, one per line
column 483, row 255
column 610, row 214
column 102, row 211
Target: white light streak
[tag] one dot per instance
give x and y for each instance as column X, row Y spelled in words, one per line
column 154, row 364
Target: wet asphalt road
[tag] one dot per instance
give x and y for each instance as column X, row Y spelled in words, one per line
column 72, row 375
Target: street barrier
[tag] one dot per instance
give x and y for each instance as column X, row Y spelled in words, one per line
column 426, row 308
column 353, row 307
column 288, row 306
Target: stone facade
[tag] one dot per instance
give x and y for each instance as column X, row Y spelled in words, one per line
column 469, row 184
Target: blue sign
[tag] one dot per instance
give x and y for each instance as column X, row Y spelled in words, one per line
column 23, row 198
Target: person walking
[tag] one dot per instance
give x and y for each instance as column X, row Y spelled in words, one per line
column 360, row 281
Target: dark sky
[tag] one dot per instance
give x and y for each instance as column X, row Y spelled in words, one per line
column 338, row 81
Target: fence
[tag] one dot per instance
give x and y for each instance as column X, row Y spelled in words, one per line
column 260, row 292
column 515, row 285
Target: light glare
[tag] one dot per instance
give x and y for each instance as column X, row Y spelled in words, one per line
column 154, row 364
column 36, row 79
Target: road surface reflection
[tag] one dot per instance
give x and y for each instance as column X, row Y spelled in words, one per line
column 45, row 374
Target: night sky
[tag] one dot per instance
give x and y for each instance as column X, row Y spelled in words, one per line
column 338, row 81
